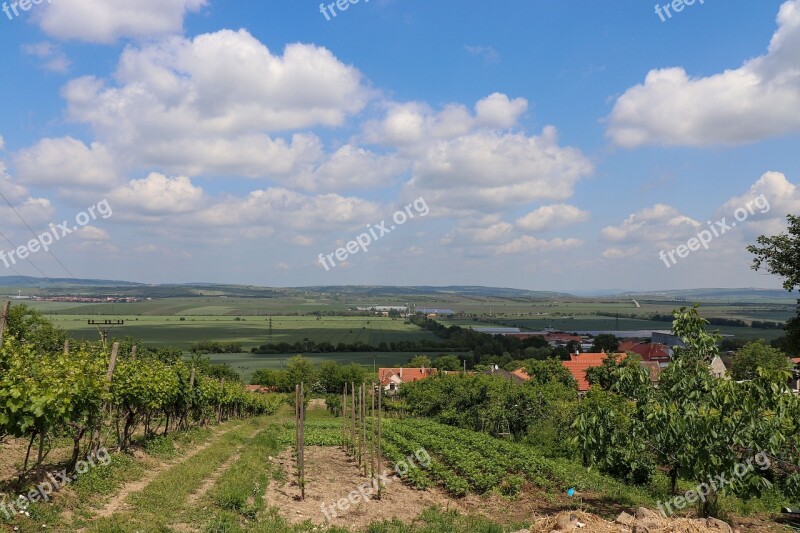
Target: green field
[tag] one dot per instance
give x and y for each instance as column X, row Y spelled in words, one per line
column 250, row 331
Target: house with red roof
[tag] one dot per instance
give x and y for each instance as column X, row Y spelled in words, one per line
column 521, row 374
column 650, row 352
column 579, row 363
column 391, row 378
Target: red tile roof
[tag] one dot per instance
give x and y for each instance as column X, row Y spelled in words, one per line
column 406, row 375
column 648, row 351
column 580, row 363
column 520, row 373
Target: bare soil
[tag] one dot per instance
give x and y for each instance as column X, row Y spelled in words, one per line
column 331, row 476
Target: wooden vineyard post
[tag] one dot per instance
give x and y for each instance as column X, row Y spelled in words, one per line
column 188, row 409
column 353, row 417
column 364, row 423
column 359, row 421
column 344, row 418
column 372, row 435
column 219, row 410
column 379, row 459
column 4, row 319
column 302, row 443
column 94, row 444
column 66, row 347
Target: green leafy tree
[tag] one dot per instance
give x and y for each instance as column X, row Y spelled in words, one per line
column 300, row 369
column 549, row 371
column 605, row 342
column 419, row 361
column 447, row 362
column 757, row 355
column 31, row 326
column 780, row 255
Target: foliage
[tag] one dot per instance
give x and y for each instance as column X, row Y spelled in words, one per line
column 693, row 424
column 780, row 254
column 549, row 371
column 419, row 361
column 484, row 403
column 30, row 325
column 605, row 342
column 757, row 355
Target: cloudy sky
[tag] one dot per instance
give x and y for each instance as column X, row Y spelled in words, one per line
column 556, row 144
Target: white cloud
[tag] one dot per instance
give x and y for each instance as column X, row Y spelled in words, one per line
column 619, row 253
column 488, row 53
column 211, row 104
column 552, row 216
column 527, row 243
column 51, row 55
column 489, row 171
column 105, row 21
column 413, row 123
column 92, row 233
column 660, row 223
column 158, row 195
column 767, row 202
column 34, row 211
column 302, row 216
column 761, row 99
column 66, row 161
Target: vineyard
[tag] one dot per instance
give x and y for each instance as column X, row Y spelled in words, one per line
column 99, row 398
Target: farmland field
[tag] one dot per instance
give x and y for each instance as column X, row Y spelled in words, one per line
column 250, row 331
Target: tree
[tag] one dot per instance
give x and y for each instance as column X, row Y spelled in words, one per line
column 448, row 362
column 549, row 371
column 605, row 342
column 270, row 378
column 780, row 255
column 419, row 361
column 623, row 375
column 757, row 355
column 300, row 369
column 29, row 325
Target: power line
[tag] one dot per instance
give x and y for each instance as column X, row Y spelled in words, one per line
column 36, row 236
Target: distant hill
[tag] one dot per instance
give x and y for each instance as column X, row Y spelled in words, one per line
column 31, row 282
column 719, row 295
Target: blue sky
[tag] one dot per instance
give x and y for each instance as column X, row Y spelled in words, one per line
column 557, row 145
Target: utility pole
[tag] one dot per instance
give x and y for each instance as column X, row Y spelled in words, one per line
column 104, row 327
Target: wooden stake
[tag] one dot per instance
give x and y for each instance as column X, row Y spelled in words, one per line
column 66, row 347
column 364, row 423
column 4, row 319
column 302, row 442
column 379, row 459
column 353, row 412
column 344, row 418
column 94, row 444
column 372, row 435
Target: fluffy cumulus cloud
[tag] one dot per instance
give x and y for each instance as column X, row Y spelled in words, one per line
column 158, row 195
column 33, row 211
column 761, row 210
column 105, row 21
column 474, row 160
column 767, row 203
column 758, row 100
column 297, row 214
column 658, row 223
column 66, row 161
column 552, row 216
column 409, row 124
column 221, row 95
column 489, row 171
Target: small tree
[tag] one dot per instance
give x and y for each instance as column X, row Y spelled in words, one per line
column 605, row 342
column 757, row 355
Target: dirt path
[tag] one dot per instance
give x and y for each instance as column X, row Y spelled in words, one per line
column 213, row 478
column 117, row 502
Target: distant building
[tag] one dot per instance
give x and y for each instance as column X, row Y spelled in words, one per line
column 392, row 378
column 434, row 311
column 578, row 364
column 505, row 374
column 650, row 352
column 718, row 368
column 667, row 338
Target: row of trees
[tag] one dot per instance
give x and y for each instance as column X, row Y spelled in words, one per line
column 88, row 393
column 325, row 377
